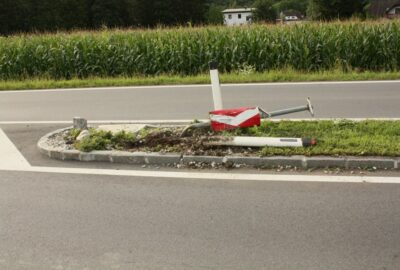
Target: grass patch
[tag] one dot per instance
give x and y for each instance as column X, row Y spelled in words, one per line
column 105, row 140
column 335, row 138
column 286, row 75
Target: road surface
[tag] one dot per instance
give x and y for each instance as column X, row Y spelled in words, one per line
column 71, row 219
column 380, row 99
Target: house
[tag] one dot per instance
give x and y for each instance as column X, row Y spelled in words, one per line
column 238, row 16
column 394, row 11
column 291, row 16
column 385, row 8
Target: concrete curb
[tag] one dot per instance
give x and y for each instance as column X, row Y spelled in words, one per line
column 141, row 158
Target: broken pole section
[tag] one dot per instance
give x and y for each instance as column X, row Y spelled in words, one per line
column 261, row 142
column 215, row 84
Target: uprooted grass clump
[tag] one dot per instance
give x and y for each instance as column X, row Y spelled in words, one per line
column 366, row 138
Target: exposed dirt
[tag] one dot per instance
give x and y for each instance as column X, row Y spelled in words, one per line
column 195, row 142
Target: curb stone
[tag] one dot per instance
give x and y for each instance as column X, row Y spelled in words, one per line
column 325, row 162
column 376, row 163
column 142, row 158
column 187, row 160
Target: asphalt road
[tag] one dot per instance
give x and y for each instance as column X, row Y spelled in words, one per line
column 143, row 103
column 94, row 222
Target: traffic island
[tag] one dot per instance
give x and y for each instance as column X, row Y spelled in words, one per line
column 341, row 144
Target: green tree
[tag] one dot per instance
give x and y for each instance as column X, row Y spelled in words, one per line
column 14, row 16
column 72, row 14
column 264, row 11
column 169, row 12
column 214, row 15
column 334, row 9
column 298, row 5
column 107, row 12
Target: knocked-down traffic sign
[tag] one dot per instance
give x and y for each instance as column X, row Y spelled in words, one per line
column 235, row 118
column 249, row 116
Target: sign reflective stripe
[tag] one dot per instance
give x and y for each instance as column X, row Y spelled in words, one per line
column 235, row 120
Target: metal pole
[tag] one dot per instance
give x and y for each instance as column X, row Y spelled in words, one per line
column 216, row 87
column 307, row 107
column 288, row 111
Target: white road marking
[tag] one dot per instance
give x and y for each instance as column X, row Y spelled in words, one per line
column 217, row 176
column 12, row 160
column 181, row 121
column 10, row 157
column 108, row 122
column 197, row 86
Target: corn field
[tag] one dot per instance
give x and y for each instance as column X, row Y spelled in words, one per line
column 186, row 51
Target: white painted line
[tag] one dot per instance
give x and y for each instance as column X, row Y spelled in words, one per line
column 199, row 86
column 218, row 176
column 109, row 122
column 10, row 157
column 181, row 121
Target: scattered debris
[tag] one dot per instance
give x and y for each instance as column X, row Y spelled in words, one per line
column 84, row 134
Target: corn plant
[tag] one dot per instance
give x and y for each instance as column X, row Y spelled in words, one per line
column 187, row 51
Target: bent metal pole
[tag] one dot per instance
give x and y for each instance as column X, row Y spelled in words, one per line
column 216, row 87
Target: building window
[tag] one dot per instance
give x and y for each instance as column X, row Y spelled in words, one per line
column 397, row 11
column 248, row 18
column 229, row 16
column 239, row 16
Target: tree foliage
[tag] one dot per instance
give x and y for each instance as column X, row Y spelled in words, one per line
column 334, row 9
column 298, row 5
column 52, row 15
column 264, row 11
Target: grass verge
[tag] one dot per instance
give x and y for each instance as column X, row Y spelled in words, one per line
column 366, row 138
column 287, row 75
column 335, row 138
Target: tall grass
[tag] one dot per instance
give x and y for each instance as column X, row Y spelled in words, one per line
column 186, row 51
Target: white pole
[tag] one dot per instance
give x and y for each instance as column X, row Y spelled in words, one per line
column 264, row 141
column 216, row 87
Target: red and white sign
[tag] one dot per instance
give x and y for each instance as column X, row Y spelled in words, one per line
column 235, row 118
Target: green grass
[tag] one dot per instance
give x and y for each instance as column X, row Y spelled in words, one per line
column 285, row 75
column 366, row 138
column 335, row 138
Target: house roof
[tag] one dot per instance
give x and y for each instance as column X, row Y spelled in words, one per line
column 380, row 7
column 395, row 5
column 238, row 10
column 291, row 12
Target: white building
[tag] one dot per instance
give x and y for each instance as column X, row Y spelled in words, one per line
column 238, row 16
column 393, row 11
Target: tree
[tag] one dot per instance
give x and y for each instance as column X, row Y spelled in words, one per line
column 264, row 11
column 72, row 14
column 317, row 10
column 214, row 15
column 169, row 12
column 14, row 16
column 298, row 5
column 334, row 9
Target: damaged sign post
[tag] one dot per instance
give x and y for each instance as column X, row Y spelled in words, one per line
column 215, row 85
column 227, row 119
column 250, row 116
